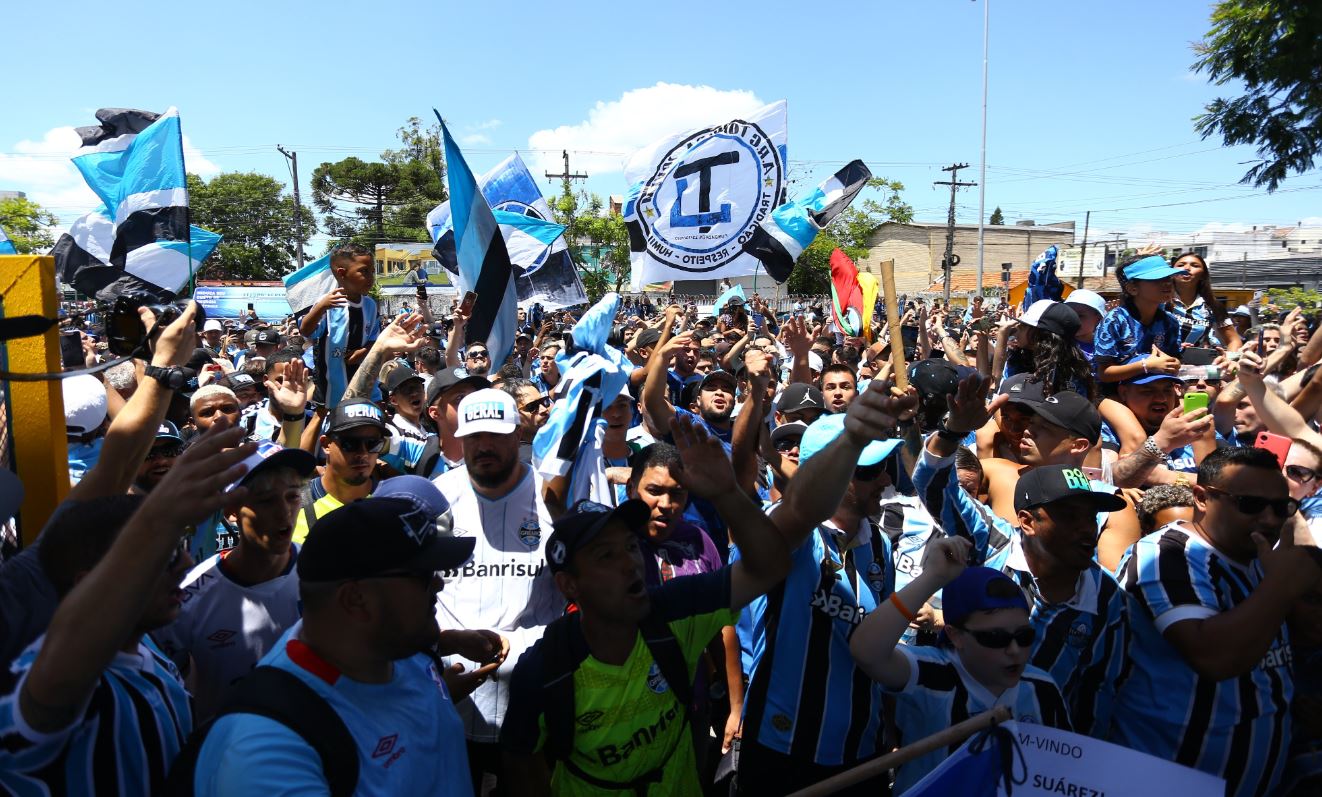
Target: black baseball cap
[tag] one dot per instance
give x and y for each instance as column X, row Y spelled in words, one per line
column 1021, row 387
column 719, row 375
column 448, row 378
column 788, row 430
column 237, row 380
column 378, row 535
column 352, row 414
column 269, row 336
column 800, row 396
column 1047, row 483
column 1066, row 409
column 937, row 377
column 398, row 376
column 648, row 337
column 581, row 525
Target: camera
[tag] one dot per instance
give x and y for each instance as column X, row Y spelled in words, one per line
column 127, row 335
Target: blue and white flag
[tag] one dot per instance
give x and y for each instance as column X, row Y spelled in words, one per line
column 695, row 198
column 569, row 443
column 780, row 239
column 484, row 263
column 531, row 238
column 308, row 284
column 134, row 162
column 6, row 245
column 591, row 332
column 733, row 292
column 1042, row 280
column 82, row 257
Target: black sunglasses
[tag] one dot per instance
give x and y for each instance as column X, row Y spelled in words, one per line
column 867, row 473
column 164, row 452
column 1300, row 474
column 477, row 355
column 788, row 443
column 367, row 445
column 1254, row 504
column 536, row 404
column 999, row 638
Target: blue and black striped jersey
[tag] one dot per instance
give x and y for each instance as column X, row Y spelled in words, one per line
column 1238, row 728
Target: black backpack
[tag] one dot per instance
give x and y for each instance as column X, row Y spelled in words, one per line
column 281, row 696
column 563, row 650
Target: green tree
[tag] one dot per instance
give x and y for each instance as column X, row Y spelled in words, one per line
column 1310, row 300
column 256, row 218
column 369, row 202
column 598, row 241
column 849, row 232
column 1273, row 47
column 27, row 224
column 997, row 217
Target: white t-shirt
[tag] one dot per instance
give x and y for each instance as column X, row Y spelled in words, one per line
column 226, row 628
column 506, row 586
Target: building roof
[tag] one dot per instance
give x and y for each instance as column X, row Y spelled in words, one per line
column 965, row 283
column 1284, row 272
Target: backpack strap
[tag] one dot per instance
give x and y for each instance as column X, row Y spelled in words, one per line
column 281, row 696
column 309, row 514
column 431, row 452
column 669, row 657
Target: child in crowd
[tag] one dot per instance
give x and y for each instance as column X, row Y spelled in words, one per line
column 343, row 323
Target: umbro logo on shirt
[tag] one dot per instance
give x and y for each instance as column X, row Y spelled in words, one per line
column 385, row 745
column 219, row 638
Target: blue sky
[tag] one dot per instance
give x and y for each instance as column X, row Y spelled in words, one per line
column 1090, row 103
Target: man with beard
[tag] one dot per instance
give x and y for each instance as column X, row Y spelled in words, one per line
column 366, row 648
column 246, row 597
column 838, row 386
column 354, row 441
column 1176, row 441
column 716, row 394
column 211, row 403
column 496, row 501
column 167, row 446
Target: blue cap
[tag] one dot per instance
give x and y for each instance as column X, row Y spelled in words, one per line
column 979, row 589
column 1143, row 379
column 1153, row 267
column 822, row 431
column 274, row 455
column 422, row 493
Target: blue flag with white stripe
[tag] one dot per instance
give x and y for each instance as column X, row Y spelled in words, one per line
column 484, row 263
column 792, row 227
column 308, row 284
column 591, row 332
column 531, row 238
column 134, row 162
column 733, row 292
column 569, row 443
column 1042, row 280
column 82, row 255
column 6, row 245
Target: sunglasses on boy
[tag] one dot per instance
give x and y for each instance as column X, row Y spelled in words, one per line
column 999, row 638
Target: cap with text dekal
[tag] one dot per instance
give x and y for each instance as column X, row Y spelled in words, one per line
column 1066, row 409
column 273, row 455
column 352, row 414
column 487, row 410
column 979, row 589
column 237, row 381
column 423, row 493
column 376, row 536
column 1144, row 378
column 1052, row 316
column 1047, row 483
column 577, row 528
column 447, row 378
column 800, row 396
column 168, row 431
column 267, row 337
column 398, row 376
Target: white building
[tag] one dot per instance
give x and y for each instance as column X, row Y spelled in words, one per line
column 1260, row 242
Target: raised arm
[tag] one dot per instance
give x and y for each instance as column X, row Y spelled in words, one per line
column 100, row 616
column 797, row 339
column 749, row 424
column 133, row 430
column 456, row 340
column 874, row 643
column 404, row 334
column 1279, row 416
column 308, row 325
column 659, row 411
column 290, row 398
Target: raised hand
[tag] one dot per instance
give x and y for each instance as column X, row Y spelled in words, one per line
column 1179, row 429
column 176, row 343
column 877, row 410
column 707, row 469
column 406, row 333
column 969, row 408
column 794, row 334
column 290, row 396
column 945, row 558
column 195, row 486
column 335, row 298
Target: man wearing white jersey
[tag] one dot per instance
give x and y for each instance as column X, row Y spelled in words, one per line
column 237, row 604
column 495, row 500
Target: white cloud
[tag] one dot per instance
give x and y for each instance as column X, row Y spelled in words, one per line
column 490, row 124
column 1311, row 221
column 473, row 139
column 613, row 129
column 43, row 171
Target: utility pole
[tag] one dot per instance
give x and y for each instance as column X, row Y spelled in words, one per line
column 950, row 260
column 566, row 176
column 292, row 157
column 1083, row 250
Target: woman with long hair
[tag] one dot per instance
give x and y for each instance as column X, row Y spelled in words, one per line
column 1203, row 321
column 1043, row 345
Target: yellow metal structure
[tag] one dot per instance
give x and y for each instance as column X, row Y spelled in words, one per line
column 34, row 411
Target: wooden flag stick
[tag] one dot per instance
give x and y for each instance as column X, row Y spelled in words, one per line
column 899, row 372
column 939, row 740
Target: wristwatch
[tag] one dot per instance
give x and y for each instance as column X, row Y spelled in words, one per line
column 171, row 378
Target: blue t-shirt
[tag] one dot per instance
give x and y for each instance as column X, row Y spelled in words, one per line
column 1120, row 335
column 82, row 458
column 1237, row 728
column 339, row 333
column 409, row 736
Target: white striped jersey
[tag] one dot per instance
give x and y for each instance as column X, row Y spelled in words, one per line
column 1238, row 728
column 505, row 587
column 941, row 693
column 1082, row 643
column 226, row 628
column 122, row 742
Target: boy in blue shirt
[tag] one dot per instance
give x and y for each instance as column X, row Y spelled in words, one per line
column 343, row 323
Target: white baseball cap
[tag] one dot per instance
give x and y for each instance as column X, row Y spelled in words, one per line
column 212, row 325
column 488, row 410
column 1086, row 298
column 84, row 403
